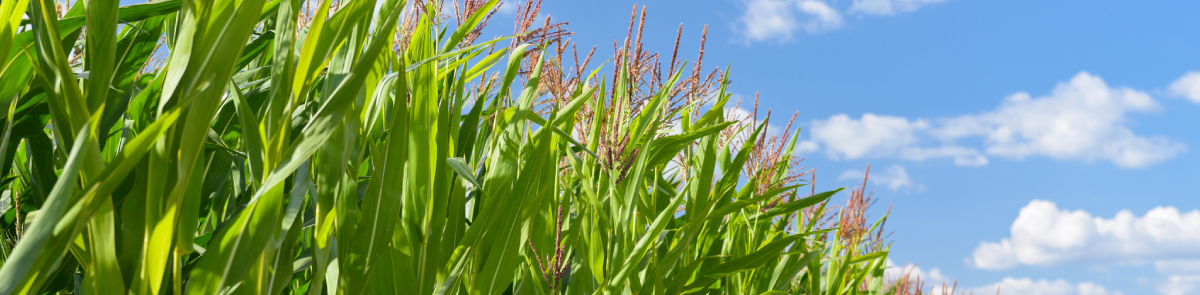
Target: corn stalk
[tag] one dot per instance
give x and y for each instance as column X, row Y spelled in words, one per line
column 350, row 147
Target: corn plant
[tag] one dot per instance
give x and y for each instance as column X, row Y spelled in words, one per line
column 351, row 147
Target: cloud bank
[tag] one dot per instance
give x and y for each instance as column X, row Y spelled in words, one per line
column 941, row 284
column 1187, row 87
column 889, row 7
column 1027, row 286
column 894, row 178
column 1082, row 119
column 778, row 19
column 1045, row 235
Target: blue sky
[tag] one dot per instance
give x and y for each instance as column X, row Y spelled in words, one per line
column 1042, row 147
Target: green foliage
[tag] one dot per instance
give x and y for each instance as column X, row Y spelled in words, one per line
column 340, row 147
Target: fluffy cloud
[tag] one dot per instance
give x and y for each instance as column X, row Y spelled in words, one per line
column 1187, row 87
column 889, row 7
column 1180, row 285
column 894, row 178
column 807, row 146
column 884, row 137
column 779, row 19
column 894, row 271
column 1045, row 235
column 1178, row 266
column 1027, row 286
column 746, row 116
column 508, row 7
column 1082, row 119
column 1182, row 276
column 872, row 135
column 941, row 284
column 823, row 17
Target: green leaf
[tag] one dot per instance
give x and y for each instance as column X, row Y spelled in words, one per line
column 660, row 222
column 796, row 205
column 381, row 204
column 12, row 10
column 753, row 260
column 31, row 261
column 463, row 170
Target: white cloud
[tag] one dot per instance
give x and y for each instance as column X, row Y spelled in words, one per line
column 1044, row 235
column 746, row 116
column 1027, row 286
column 824, row 18
column 889, row 7
column 1187, row 87
column 1082, row 119
column 894, row 271
column 1178, row 266
column 507, row 7
column 779, row 19
column 876, row 136
column 994, row 256
column 768, row 19
column 1182, row 276
column 942, row 284
column 1180, row 285
column 807, row 146
column 894, row 178
column 872, row 135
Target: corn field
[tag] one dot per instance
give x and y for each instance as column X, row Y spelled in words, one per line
column 362, row 147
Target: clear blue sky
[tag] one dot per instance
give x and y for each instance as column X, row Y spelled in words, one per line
column 973, row 113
